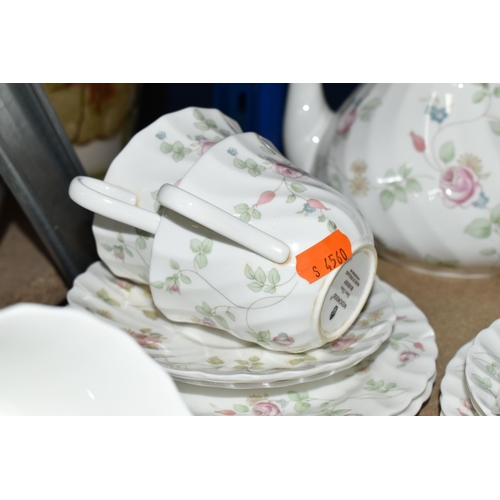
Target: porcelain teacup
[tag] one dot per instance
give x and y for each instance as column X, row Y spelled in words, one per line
column 162, row 152
column 250, row 244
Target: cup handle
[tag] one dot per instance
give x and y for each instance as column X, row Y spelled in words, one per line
column 113, row 202
column 222, row 222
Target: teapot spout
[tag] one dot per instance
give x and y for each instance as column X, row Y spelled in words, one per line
column 309, row 125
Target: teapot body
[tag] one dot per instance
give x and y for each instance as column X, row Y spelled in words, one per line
column 421, row 162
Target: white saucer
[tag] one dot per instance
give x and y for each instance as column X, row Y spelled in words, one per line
column 388, row 382
column 205, row 356
column 455, row 395
column 482, row 370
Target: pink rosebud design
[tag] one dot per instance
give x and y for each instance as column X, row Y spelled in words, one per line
column 205, row 146
column 407, row 356
column 459, row 187
column 418, row 345
column 266, row 408
column 283, row 340
column 266, row 197
column 343, row 343
column 226, row 412
column 287, row 170
column 462, row 413
column 316, row 204
column 346, row 121
column 147, row 340
column 178, row 182
column 418, row 142
column 175, row 287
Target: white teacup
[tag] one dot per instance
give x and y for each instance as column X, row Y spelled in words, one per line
column 162, row 152
column 254, row 246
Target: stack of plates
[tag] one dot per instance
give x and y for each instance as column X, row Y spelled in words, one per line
column 384, row 365
column 471, row 385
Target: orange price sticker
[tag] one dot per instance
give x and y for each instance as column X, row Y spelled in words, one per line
column 324, row 257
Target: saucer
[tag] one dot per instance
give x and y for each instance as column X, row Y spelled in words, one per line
column 482, row 369
column 455, row 399
column 205, row 356
column 385, row 383
column 417, row 403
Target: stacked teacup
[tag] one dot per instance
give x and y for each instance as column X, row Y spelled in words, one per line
column 471, row 385
column 241, row 251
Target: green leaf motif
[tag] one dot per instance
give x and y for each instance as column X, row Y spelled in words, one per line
column 371, row 104
column 298, row 188
column 206, row 308
column 394, row 345
column 387, row 199
column 405, row 169
column 201, row 260
column 479, row 228
column 206, row 246
column 150, row 314
column 245, row 217
column 253, row 359
column 256, row 214
column 241, row 208
column 225, row 132
column 390, row 386
column 239, row 163
column 141, row 242
column 485, row 85
column 495, row 127
column 241, row 408
column 128, row 252
column 195, row 245
column 174, row 264
column 495, row 214
column 260, row 276
column 496, row 92
column 186, row 279
column 264, row 336
column 120, row 237
column 294, row 396
column 291, row 198
column 413, row 186
column 400, row 194
column 321, row 218
column 109, row 248
column 331, row 226
column 215, row 360
column 339, row 413
column 202, row 126
column 198, row 115
column 478, row 96
column 447, row 151
column 202, row 311
column 301, row 407
column 488, row 251
column 270, row 289
column 250, row 163
column 249, row 273
column 211, row 123
column 231, row 316
column 254, row 172
column 255, row 287
column 166, row 148
column 274, row 276
column 157, row 284
column 222, row 322
column 398, row 336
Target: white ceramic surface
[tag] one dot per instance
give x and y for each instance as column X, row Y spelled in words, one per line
column 417, row 403
column 198, row 272
column 482, row 369
column 384, row 383
column 196, row 355
column 455, row 398
column 421, row 163
column 162, row 152
column 56, row 361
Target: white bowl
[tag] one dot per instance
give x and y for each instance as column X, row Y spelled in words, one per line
column 60, row 361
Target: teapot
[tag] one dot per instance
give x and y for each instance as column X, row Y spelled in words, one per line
column 421, row 162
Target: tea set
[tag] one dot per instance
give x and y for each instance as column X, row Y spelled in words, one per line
column 248, row 278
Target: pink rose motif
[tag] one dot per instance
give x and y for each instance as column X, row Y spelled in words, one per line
column 407, row 356
column 226, row 412
column 287, row 170
column 204, row 147
column 467, row 404
column 459, row 187
column 118, row 252
column 343, row 343
column 346, row 121
column 147, row 340
column 266, row 408
column 283, row 339
column 266, row 197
